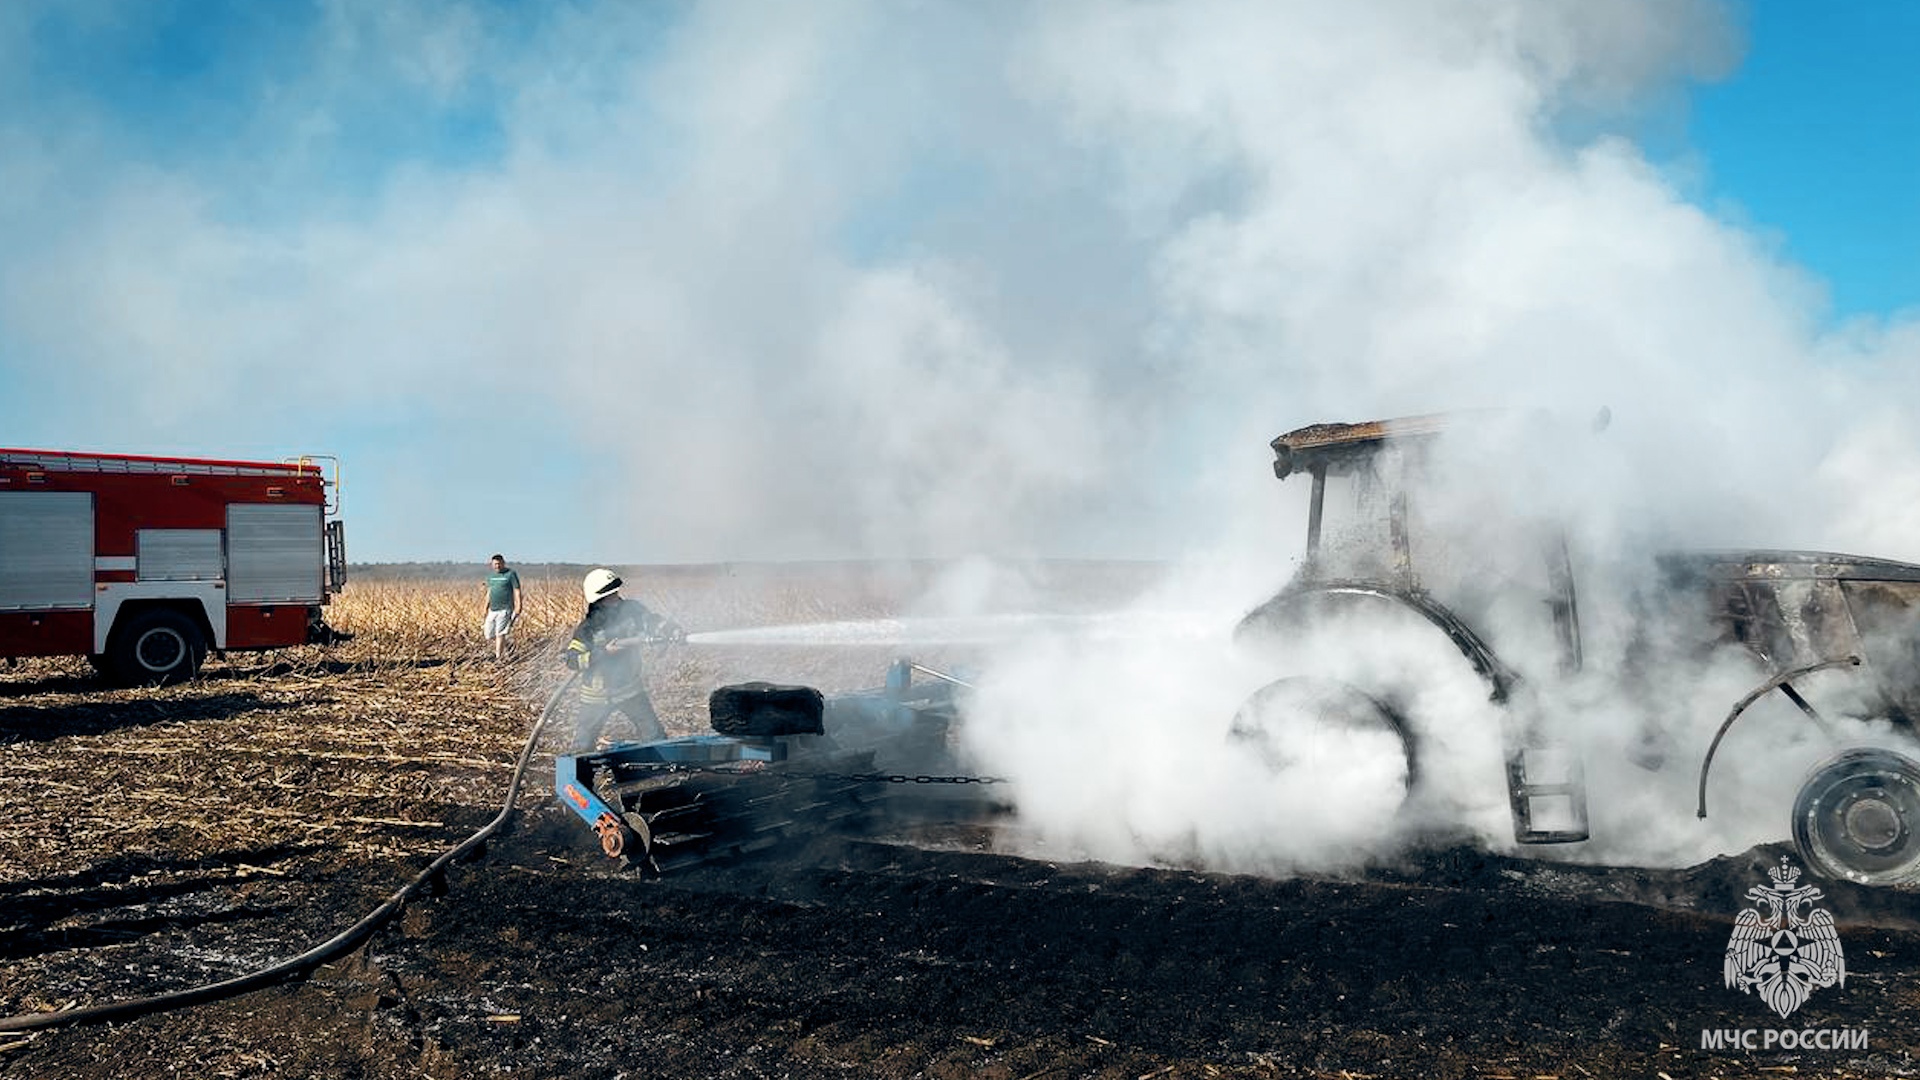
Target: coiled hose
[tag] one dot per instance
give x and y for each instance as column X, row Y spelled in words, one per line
column 327, row 951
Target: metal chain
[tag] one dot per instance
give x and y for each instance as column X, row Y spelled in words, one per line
column 899, row 778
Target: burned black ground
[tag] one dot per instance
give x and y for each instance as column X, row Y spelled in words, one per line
column 872, row 958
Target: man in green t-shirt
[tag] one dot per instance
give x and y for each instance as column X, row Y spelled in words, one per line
column 503, row 605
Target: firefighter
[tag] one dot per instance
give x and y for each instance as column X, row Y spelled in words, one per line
column 606, row 651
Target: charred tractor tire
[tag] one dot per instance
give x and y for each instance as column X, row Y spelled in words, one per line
column 155, row 648
column 1312, row 724
column 760, row 710
column 1858, row 817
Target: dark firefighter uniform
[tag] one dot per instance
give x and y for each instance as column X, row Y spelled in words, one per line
column 606, row 651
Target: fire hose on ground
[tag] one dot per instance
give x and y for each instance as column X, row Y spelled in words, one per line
column 298, row 967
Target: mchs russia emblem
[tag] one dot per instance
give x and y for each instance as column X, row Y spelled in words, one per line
column 1778, row 952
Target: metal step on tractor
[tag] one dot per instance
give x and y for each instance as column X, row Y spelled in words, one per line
column 1376, row 555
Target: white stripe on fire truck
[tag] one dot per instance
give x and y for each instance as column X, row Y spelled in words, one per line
column 115, row 562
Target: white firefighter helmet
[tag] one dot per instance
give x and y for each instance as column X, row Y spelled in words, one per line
column 600, row 584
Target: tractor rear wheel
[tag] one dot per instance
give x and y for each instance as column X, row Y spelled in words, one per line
column 156, row 648
column 1322, row 726
column 1858, row 817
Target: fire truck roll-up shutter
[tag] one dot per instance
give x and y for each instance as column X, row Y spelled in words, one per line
column 46, row 549
column 178, row 555
column 274, row 554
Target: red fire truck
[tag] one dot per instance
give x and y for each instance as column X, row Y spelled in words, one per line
column 142, row 564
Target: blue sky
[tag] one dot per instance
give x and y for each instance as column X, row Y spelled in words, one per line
column 689, row 282
column 1817, row 137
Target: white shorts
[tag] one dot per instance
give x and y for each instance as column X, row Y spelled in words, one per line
column 497, row 623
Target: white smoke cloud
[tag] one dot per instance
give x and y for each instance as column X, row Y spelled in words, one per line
column 1042, row 275
column 1408, row 229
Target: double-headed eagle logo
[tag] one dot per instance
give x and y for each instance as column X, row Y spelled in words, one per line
column 1783, row 956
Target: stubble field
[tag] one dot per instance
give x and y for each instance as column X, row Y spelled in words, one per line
column 156, row 839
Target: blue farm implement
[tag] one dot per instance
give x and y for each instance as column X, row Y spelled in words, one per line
column 783, row 760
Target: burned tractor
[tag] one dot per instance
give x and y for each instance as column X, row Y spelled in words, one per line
column 782, row 763
column 1794, row 615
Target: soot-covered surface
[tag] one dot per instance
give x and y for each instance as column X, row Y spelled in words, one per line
column 872, row 958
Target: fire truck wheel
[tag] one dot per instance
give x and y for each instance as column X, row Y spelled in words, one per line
column 156, row 648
